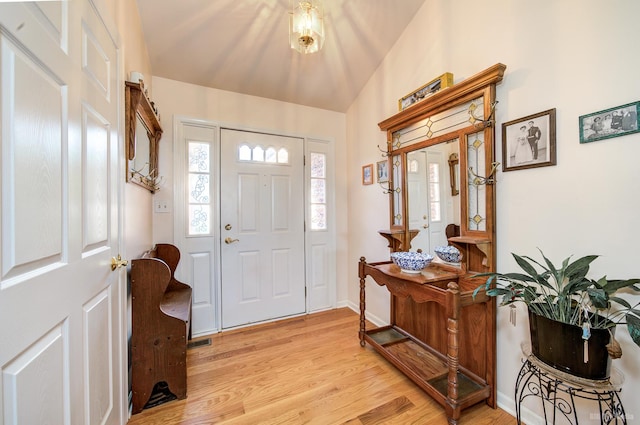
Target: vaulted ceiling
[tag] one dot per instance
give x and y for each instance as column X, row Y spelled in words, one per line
column 242, row 46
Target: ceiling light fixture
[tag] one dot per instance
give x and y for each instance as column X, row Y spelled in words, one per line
column 306, row 26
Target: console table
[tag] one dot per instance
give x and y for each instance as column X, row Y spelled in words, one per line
column 558, row 391
column 457, row 377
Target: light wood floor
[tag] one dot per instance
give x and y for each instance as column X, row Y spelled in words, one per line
column 304, row 370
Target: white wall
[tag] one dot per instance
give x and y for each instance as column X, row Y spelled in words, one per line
column 578, row 56
column 137, row 201
column 248, row 112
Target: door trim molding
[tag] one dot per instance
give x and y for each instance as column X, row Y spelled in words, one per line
column 179, row 121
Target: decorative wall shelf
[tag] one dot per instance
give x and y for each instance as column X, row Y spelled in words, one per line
column 143, row 132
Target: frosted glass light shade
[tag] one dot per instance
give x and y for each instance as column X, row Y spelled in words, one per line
column 306, row 26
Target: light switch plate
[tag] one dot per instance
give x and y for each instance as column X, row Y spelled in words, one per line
column 161, row 206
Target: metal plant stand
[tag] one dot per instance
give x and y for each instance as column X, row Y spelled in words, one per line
column 558, row 392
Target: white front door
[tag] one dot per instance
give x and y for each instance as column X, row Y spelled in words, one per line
column 262, row 219
column 61, row 305
column 427, row 201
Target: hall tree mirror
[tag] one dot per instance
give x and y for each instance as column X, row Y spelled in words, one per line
column 143, row 132
column 441, row 155
column 431, row 205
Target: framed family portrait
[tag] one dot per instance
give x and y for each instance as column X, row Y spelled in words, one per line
column 529, row 142
column 367, row 174
column 612, row 122
column 382, row 171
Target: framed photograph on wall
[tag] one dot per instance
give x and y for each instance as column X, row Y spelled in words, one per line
column 530, row 141
column 367, row 174
column 382, row 171
column 612, row 122
column 445, row 80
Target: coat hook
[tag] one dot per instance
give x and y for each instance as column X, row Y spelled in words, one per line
column 478, row 122
column 490, row 179
column 383, row 152
column 387, row 189
column 157, row 183
column 151, row 179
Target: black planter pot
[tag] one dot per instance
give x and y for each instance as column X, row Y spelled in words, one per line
column 561, row 346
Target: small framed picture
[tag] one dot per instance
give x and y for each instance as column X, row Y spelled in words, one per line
column 367, row 174
column 433, row 86
column 529, row 142
column 382, row 171
column 612, row 122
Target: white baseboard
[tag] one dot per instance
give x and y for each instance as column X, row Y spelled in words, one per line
column 341, row 304
column 370, row 317
column 507, row 403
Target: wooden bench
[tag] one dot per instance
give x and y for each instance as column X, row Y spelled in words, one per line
column 160, row 326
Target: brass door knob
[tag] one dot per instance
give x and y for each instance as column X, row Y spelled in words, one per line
column 118, row 262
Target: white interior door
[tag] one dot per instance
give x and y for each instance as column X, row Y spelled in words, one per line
column 60, row 303
column 262, row 219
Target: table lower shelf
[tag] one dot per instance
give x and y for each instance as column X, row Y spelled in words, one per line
column 426, row 367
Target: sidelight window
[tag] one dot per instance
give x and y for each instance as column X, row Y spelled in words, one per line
column 318, row 191
column 435, row 209
column 199, row 188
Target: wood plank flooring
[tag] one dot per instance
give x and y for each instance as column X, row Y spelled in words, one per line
column 303, row 370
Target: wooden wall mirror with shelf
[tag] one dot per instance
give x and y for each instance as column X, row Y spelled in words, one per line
column 442, row 337
column 143, row 132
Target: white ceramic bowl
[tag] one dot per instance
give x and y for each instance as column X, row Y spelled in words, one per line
column 411, row 262
column 450, row 254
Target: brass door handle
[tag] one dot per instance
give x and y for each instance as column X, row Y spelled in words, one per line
column 230, row 241
column 118, row 262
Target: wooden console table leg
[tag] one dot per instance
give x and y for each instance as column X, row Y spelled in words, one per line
column 362, row 276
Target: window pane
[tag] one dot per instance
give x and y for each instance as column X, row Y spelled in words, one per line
column 244, row 153
column 413, row 166
column 434, row 172
column 258, row 154
column 199, row 220
column 317, row 165
column 318, row 191
column 434, row 192
column 199, row 188
column 435, row 211
column 199, row 157
column 283, row 156
column 318, row 217
column 271, row 155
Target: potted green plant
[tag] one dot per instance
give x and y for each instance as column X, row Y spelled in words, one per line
column 572, row 318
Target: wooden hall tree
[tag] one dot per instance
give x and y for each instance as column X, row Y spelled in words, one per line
column 440, row 336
